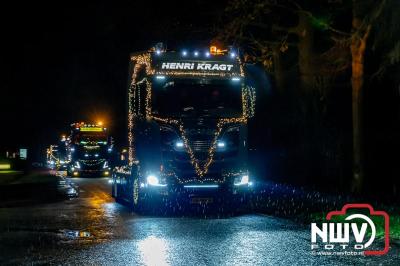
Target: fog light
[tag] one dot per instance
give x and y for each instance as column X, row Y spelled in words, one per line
column 75, row 173
column 244, row 180
column 106, row 173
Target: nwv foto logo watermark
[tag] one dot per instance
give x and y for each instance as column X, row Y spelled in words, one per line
column 349, row 236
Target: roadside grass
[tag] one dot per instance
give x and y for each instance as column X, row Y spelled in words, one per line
column 9, row 176
column 394, row 223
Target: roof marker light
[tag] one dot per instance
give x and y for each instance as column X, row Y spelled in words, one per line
column 184, row 53
column 196, row 53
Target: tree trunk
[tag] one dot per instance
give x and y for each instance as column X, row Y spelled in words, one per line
column 278, row 69
column 307, row 68
column 357, row 47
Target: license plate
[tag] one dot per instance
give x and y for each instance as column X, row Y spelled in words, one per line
column 201, row 200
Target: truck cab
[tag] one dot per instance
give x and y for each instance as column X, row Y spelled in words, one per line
column 89, row 150
column 187, row 129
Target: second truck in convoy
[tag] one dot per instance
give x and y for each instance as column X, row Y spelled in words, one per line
column 88, row 148
column 187, row 128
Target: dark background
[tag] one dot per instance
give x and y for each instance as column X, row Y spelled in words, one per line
column 64, row 62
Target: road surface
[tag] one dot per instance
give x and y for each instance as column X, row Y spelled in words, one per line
column 93, row 230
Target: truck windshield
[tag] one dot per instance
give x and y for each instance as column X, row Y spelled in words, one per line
column 183, row 98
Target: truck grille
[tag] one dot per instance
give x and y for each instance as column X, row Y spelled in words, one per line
column 200, row 145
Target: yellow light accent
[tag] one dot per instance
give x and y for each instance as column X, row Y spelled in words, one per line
column 214, row 50
column 75, row 173
column 100, row 123
column 91, row 129
column 134, row 99
column 5, row 166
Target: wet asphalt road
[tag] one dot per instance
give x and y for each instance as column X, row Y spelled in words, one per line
column 94, row 230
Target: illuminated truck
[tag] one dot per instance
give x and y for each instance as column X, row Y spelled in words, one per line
column 88, row 149
column 187, row 128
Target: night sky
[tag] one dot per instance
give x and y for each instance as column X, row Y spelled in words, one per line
column 65, row 62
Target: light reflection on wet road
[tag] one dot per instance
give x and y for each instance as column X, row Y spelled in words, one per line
column 93, row 230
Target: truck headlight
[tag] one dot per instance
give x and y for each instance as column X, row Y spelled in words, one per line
column 153, row 180
column 179, row 144
column 221, row 145
column 242, row 180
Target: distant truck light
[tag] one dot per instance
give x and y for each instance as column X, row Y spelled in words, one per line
column 5, row 166
column 91, row 129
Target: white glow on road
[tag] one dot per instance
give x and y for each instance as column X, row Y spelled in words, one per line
column 154, row 251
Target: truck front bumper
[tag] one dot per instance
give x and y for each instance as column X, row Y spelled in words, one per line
column 197, row 194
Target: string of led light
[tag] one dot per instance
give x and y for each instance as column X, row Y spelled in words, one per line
column 139, row 61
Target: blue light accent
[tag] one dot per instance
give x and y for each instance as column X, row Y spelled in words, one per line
column 96, row 155
column 160, row 77
column 86, row 155
column 158, row 52
column 200, row 186
column 235, row 79
column 233, row 55
column 184, row 53
column 207, row 54
column 221, row 144
column 196, row 53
